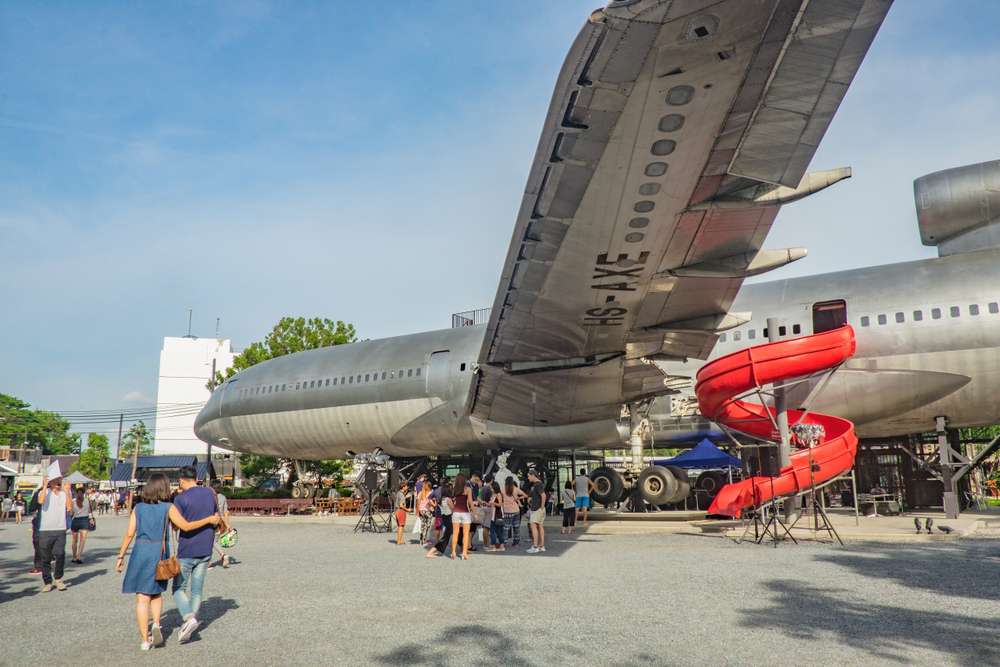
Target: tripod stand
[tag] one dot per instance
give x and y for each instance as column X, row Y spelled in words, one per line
column 809, row 434
column 766, row 520
column 375, row 487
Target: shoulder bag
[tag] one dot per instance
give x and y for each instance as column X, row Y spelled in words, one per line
column 167, row 568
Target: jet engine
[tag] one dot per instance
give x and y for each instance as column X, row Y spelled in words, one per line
column 958, row 209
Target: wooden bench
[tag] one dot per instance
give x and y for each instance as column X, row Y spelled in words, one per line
column 272, row 506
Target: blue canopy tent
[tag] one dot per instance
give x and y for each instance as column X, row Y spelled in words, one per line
column 703, row 456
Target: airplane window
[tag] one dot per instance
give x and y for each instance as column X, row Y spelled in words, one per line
column 796, row 329
column 418, row 372
column 993, row 307
column 383, row 375
column 737, row 335
column 350, row 380
column 334, row 382
column 899, row 318
column 782, row 330
column 283, row 387
column 400, row 373
column 366, row 377
column 722, row 338
column 462, row 367
column 392, row 375
column 882, row 319
column 936, row 313
column 918, row 315
column 954, row 311
column 409, row 372
column 341, row 379
column 752, row 334
column 974, row 309
column 359, row 378
column 328, row 382
column 312, row 384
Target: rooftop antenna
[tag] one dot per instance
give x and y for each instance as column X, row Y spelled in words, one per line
column 190, row 313
column 217, row 326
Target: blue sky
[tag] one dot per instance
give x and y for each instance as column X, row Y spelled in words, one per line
column 359, row 161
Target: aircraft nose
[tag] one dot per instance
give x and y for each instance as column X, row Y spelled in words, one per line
column 204, row 419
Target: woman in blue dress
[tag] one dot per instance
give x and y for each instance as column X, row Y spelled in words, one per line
column 148, row 524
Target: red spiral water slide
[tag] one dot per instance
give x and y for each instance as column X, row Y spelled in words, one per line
column 720, row 382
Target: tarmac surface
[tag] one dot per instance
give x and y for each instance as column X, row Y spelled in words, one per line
column 317, row 593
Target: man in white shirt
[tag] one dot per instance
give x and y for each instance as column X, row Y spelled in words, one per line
column 55, row 502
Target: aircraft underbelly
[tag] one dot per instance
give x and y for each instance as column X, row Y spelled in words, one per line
column 323, row 433
column 973, row 403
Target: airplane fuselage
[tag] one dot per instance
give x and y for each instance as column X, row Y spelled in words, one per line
column 927, row 332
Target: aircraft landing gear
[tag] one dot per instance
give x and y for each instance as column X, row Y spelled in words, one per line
column 301, row 490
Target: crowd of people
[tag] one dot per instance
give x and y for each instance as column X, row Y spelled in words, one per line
column 451, row 515
column 189, row 517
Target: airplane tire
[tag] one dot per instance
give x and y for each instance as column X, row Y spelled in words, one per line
column 711, row 481
column 308, row 491
column 610, row 485
column 658, row 485
column 297, row 491
column 683, row 483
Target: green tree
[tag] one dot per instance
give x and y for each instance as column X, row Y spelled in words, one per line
column 95, row 460
column 291, row 334
column 20, row 424
column 139, row 432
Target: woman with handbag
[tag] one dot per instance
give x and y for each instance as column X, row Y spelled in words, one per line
column 152, row 564
column 80, row 525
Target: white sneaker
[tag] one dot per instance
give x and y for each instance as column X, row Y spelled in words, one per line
column 187, row 630
column 156, row 635
column 145, row 646
column 532, row 550
column 542, row 549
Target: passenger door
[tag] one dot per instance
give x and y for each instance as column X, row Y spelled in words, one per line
column 439, row 374
column 829, row 315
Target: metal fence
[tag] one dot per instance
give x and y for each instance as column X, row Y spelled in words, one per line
column 470, row 318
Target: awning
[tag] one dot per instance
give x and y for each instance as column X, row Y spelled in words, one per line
column 704, row 456
column 78, row 478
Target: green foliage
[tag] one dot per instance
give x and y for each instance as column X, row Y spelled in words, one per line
column 95, row 460
column 980, row 432
column 140, row 432
column 291, row 334
column 255, row 467
column 38, row 428
column 251, row 492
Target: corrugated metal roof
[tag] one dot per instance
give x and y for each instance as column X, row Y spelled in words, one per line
column 122, row 472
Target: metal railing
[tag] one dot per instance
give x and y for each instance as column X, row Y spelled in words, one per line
column 470, row 318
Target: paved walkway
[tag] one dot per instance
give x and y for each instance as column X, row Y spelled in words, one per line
column 317, row 593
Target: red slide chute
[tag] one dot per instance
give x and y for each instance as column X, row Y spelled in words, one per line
column 723, row 380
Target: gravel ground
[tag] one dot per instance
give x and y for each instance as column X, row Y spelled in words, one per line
column 314, row 593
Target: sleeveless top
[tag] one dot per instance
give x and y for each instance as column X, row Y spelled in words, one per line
column 461, row 502
column 81, row 511
column 149, row 521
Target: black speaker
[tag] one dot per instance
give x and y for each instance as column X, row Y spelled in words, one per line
column 371, row 479
column 393, row 479
column 762, row 460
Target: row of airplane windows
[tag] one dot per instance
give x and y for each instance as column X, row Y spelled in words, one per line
column 936, row 314
column 899, row 317
column 343, row 380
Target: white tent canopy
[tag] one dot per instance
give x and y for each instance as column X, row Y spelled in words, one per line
column 78, row 478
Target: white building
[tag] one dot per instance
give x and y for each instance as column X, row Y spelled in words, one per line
column 185, row 369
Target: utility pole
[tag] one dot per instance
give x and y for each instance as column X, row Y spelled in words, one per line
column 136, row 441
column 118, row 448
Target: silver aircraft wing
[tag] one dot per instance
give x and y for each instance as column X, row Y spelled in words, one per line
column 676, row 130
